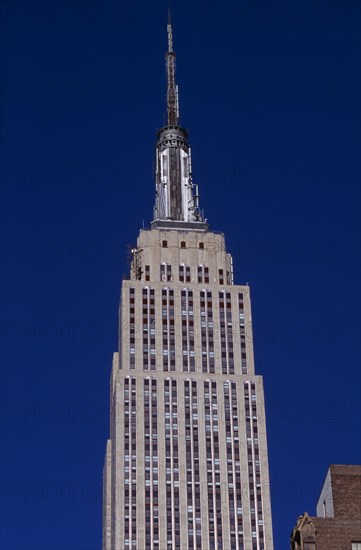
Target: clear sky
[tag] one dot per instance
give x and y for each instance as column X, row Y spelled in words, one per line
column 269, row 91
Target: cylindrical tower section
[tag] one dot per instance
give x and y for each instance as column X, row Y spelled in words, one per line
column 174, row 189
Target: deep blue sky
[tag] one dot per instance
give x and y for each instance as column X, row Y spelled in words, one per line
column 269, row 91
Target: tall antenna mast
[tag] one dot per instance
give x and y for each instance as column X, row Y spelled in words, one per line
column 176, row 204
column 172, row 89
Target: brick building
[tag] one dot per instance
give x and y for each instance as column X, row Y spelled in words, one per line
column 337, row 525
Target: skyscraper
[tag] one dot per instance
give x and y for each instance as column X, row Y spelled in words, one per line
column 186, row 464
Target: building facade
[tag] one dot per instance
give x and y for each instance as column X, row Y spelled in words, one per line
column 337, row 524
column 186, row 463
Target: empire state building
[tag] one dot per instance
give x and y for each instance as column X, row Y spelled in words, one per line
column 186, row 465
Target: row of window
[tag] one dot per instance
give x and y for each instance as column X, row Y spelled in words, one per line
column 183, row 244
column 188, row 351
column 148, row 332
column 184, row 274
column 192, row 466
column 254, row 473
column 233, row 466
column 168, row 330
column 242, row 333
column 212, row 513
column 130, row 463
column 225, row 316
column 207, row 330
column 172, row 464
column 151, row 465
column 213, row 465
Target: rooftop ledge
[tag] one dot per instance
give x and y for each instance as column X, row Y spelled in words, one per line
column 180, row 225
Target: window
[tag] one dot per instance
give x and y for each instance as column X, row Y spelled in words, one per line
column 165, row 272
column 203, row 274
column 183, row 244
column 356, row 546
column 201, row 246
column 164, row 244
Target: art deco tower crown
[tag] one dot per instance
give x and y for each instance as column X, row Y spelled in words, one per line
column 176, row 196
